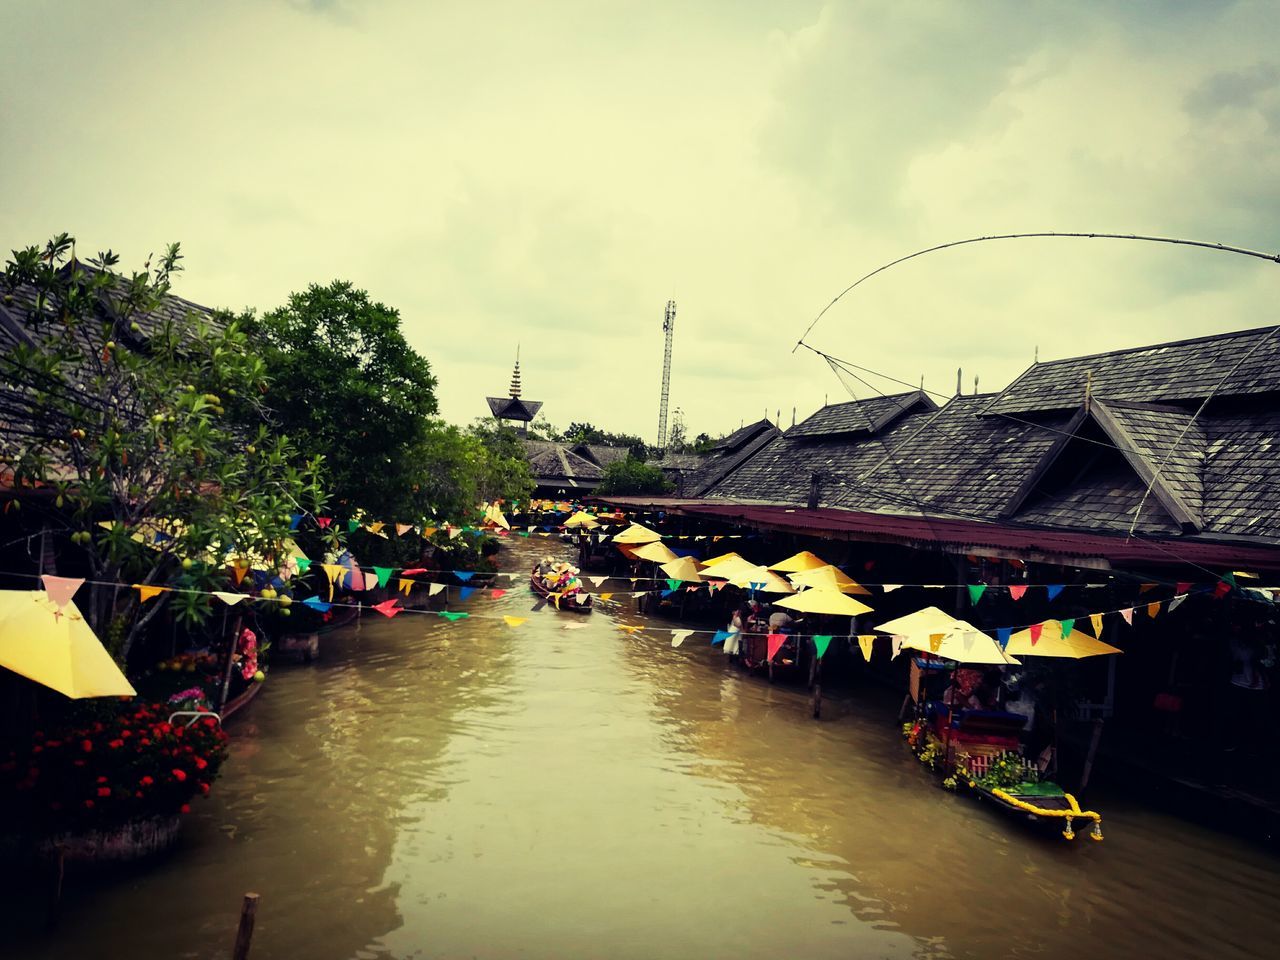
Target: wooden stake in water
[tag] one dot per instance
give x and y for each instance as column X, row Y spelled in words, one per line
column 248, row 912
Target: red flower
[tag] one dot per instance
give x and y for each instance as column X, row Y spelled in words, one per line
column 201, row 763
column 145, row 742
column 86, row 746
column 104, row 791
column 53, row 743
column 37, row 749
column 138, row 794
column 204, row 789
column 116, row 744
column 179, row 774
column 89, row 804
column 126, row 734
column 146, row 781
column 102, row 779
column 185, row 808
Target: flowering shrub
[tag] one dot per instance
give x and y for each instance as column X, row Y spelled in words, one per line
column 132, row 765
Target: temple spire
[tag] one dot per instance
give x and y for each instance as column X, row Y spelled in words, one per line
column 515, row 377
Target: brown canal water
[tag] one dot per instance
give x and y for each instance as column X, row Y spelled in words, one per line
column 468, row 790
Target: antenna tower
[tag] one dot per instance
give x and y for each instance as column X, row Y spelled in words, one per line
column 669, row 326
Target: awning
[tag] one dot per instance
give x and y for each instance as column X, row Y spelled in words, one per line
column 56, row 647
column 939, row 633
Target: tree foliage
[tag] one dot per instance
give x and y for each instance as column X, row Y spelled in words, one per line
column 136, row 425
column 589, row 433
column 347, row 385
column 633, row 476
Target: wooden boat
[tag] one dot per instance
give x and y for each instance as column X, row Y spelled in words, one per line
column 1039, row 800
column 241, row 700
column 573, row 602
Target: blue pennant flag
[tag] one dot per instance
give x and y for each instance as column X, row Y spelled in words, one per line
column 316, row 604
column 667, row 593
column 720, row 637
column 294, row 520
column 1002, row 636
column 464, row 592
column 463, row 575
column 1054, row 589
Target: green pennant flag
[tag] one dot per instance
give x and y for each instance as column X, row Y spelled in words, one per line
column 522, row 533
column 674, row 585
column 451, row 616
column 303, row 564
column 1067, row 627
column 976, row 590
column 353, row 526
column 820, row 643
column 384, row 574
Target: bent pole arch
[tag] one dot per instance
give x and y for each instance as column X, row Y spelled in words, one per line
column 1222, row 247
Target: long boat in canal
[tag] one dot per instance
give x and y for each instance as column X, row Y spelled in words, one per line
column 576, row 602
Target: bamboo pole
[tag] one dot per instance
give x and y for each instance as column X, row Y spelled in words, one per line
column 244, row 934
column 231, row 652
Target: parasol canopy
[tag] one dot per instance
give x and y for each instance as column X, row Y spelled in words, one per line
column 749, row 576
column 637, row 533
column 804, row 560
column 824, row 601
column 582, row 519
column 943, row 635
column 831, row 578
column 56, row 647
column 493, row 515
column 1075, row 646
column 657, row 551
column 682, row 568
column 723, row 558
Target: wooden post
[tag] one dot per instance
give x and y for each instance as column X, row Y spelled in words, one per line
column 815, row 681
column 231, row 652
column 248, row 912
column 1088, row 759
column 55, row 894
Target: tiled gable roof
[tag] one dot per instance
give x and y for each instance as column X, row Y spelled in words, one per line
column 1183, row 370
column 861, row 416
column 742, row 435
column 1242, row 474
column 549, row 460
column 725, row 458
column 601, row 454
column 1171, row 444
column 513, row 408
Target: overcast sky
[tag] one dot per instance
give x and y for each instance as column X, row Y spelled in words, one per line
column 552, row 173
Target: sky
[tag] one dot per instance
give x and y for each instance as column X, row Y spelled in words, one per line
column 551, row 174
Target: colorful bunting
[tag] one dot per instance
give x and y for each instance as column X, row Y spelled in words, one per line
column 383, row 574
column 1002, row 636
column 935, row 641
column 463, row 575
column 1176, row 602
column 464, row 592
column 434, row 588
column 1127, row 613
column 896, row 643
column 774, row 643
column 890, row 587
column 1183, row 586
column 146, row 591
column 353, row 526
column 673, row 585
column 1096, row 620
column 316, row 604
column 1053, row 590
column 515, row 621
column 405, row 586
column 230, row 599
column 303, row 563
column 1036, row 630
column 1144, row 587
column 1153, row 609
column 1017, row 590
column 606, row 597
column 680, row 636
column 238, row 569
column 976, row 590
column 389, row 608
column 820, row 643
column 451, row 616
column 403, row 528
column 495, row 593
column 866, row 642
column 1067, row 627
column 294, row 520
column 61, row 589
column 333, row 571
column 629, row 628
column 323, row 522
column 720, row 637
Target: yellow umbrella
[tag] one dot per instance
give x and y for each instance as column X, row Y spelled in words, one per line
column 682, row 568
column 582, row 519
column 824, row 601
column 831, row 578
column 493, row 514
column 1075, row 646
column 804, row 560
column 728, row 567
column 637, row 533
column 56, row 648
column 656, row 551
column 724, row 557
column 942, row 634
column 752, row 577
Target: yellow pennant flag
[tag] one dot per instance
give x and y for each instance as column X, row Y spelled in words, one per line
column 515, row 621
column 866, row 641
column 606, row 597
column 146, row 592
column 627, row 628
column 935, row 641
column 1096, row 620
column 405, row 586
column 238, row 569
column 428, row 531
column 403, row 528
column 1153, row 608
column 376, row 527
column 333, row 571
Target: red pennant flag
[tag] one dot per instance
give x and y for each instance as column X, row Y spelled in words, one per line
column 412, row 570
column 323, row 522
column 1144, row 587
column 1017, row 590
column 388, row 608
column 61, row 589
column 1183, row 587
column 1036, row 630
column 496, row 593
column 1127, row 613
column 1221, row 590
column 775, row 641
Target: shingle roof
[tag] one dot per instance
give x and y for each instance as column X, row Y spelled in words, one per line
column 736, row 449
column 742, row 435
column 1170, row 441
column 861, row 416
column 513, row 408
column 1242, row 474
column 554, row 461
column 601, row 454
column 1182, row 370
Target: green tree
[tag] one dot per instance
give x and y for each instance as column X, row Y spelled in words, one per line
column 346, row 384
column 633, row 476
column 136, row 425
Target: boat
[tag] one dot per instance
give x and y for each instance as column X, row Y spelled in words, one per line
column 575, row 601
column 1039, row 800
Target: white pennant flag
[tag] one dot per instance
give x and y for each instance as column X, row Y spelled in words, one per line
column 680, row 636
column 434, row 588
column 596, row 581
column 1176, row 602
column 890, row 587
column 230, row 599
column 640, row 593
column 575, row 626
column 969, row 636
column 896, row 641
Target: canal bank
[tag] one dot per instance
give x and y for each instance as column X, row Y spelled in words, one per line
column 437, row 789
